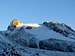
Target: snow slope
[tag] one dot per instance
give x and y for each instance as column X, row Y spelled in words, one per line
column 42, row 41
column 43, row 33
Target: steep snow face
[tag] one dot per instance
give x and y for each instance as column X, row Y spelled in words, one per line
column 44, row 32
column 61, row 28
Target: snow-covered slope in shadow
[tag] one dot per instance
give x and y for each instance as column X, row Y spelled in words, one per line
column 61, row 28
column 41, row 41
column 44, row 32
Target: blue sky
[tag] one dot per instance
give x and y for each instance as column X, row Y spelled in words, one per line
column 37, row 11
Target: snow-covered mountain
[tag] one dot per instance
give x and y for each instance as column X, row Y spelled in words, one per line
column 50, row 39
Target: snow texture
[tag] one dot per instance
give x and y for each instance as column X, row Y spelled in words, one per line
column 50, row 39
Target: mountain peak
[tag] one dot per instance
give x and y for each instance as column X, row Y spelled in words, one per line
column 60, row 28
column 25, row 38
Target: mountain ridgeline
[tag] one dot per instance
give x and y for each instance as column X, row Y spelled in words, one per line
column 60, row 28
column 49, row 36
